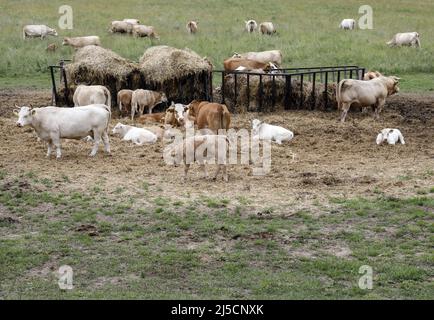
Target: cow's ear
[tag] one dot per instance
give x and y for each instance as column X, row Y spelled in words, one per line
column 186, row 108
column 30, row 106
column 32, row 112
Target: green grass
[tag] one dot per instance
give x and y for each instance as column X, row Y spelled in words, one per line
column 307, row 34
column 160, row 247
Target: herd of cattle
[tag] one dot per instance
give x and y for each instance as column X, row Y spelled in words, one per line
column 91, row 115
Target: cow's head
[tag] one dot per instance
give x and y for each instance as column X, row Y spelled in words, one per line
column 54, row 32
column 66, row 41
column 255, row 125
column 193, row 108
column 25, row 115
column 118, row 129
column 392, row 85
column 236, row 55
column 163, row 97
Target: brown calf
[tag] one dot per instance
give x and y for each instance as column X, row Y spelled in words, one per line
column 153, row 117
column 233, row 63
column 124, row 101
column 210, row 115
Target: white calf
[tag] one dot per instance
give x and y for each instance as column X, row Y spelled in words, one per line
column 392, row 136
column 139, row 136
column 265, row 131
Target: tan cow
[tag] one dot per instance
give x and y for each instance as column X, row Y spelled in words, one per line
column 232, row 64
column 86, row 95
column 192, row 27
column 79, row 42
column 411, row 39
column 267, row 28
column 365, row 93
column 153, row 117
column 145, row 31
column 124, row 101
column 201, row 149
column 145, row 98
column 371, row 75
column 209, row 115
column 274, row 56
column 121, row 27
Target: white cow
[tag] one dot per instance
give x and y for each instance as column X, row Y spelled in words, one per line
column 138, row 136
column 348, row 24
column 132, row 21
column 274, row 56
column 392, row 136
column 86, row 95
column 405, row 39
column 52, row 124
column 251, row 26
column 263, row 131
column 38, row 30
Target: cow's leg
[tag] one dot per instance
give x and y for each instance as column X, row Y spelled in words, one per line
column 105, row 140
column 150, row 110
column 97, row 139
column 141, row 109
column 205, row 172
column 49, row 148
column 225, row 172
column 186, row 167
column 345, row 108
column 380, row 105
column 217, row 171
column 56, row 143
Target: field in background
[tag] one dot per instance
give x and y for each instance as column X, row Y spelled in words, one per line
column 308, row 34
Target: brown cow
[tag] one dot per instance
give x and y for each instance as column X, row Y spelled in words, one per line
column 210, row 115
column 192, row 27
column 145, row 98
column 124, row 101
column 232, row 64
column 153, row 117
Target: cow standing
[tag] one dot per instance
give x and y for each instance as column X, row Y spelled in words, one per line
column 267, row 28
column 124, row 101
column 53, row 124
column 348, row 24
column 192, row 27
column 38, row 31
column 145, row 98
column 251, row 26
column 86, row 95
column 365, row 93
column 411, row 39
column 210, row 115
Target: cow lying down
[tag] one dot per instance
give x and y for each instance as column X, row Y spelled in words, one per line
column 203, row 149
column 263, row 131
column 392, row 136
column 52, row 124
column 138, row 136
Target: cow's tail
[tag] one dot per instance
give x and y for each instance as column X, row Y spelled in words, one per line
column 108, row 97
column 338, row 92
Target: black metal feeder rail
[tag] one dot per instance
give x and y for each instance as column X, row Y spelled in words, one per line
column 325, row 75
column 61, row 67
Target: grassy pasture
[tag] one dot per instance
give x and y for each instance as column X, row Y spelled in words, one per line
column 308, row 34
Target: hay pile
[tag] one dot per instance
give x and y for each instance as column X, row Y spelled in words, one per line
column 94, row 65
column 299, row 98
column 182, row 74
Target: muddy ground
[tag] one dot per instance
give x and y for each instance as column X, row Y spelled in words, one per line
column 331, row 159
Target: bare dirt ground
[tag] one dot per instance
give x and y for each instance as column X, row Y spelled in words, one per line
column 331, row 159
